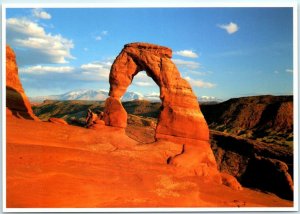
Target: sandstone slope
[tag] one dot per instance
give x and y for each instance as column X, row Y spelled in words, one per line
column 59, row 166
column 233, row 153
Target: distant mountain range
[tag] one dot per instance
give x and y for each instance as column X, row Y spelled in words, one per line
column 209, row 100
column 97, row 95
column 102, row 94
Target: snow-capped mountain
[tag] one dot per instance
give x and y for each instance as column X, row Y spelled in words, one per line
column 85, row 94
column 129, row 96
column 209, row 99
column 99, row 95
column 81, row 94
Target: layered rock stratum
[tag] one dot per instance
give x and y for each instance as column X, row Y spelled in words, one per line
column 17, row 103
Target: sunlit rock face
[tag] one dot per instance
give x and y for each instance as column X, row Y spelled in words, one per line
column 17, row 103
column 180, row 114
column 180, row 120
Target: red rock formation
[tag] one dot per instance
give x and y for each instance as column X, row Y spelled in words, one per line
column 180, row 120
column 256, row 115
column 180, row 115
column 269, row 175
column 115, row 114
column 12, row 76
column 57, row 121
column 17, row 103
column 255, row 164
column 230, row 181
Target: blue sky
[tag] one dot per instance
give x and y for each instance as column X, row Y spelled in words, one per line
column 222, row 52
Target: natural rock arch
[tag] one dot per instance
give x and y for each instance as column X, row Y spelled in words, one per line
column 180, row 115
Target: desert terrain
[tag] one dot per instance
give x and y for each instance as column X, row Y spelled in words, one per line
column 67, row 166
column 53, row 161
column 236, row 153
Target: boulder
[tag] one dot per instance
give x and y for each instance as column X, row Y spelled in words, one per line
column 230, row 181
column 114, row 114
column 17, row 103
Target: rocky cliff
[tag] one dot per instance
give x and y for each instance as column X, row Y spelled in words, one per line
column 254, row 163
column 17, row 103
column 253, row 117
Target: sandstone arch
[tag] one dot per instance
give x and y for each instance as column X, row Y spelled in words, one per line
column 180, row 115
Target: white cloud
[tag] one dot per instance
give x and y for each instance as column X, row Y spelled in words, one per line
column 95, row 71
column 101, row 36
column 199, row 83
column 39, row 69
column 153, row 96
column 24, row 28
column 186, row 64
column 95, row 66
column 186, row 53
column 34, row 46
column 104, row 32
column 276, row 72
column 199, row 73
column 289, row 70
column 41, row 14
column 143, row 83
column 230, row 28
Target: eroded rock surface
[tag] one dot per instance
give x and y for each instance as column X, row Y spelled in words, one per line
column 230, row 181
column 61, row 166
column 57, row 121
column 115, row 114
column 270, row 175
column 180, row 115
column 267, row 118
column 17, row 103
column 180, row 119
column 255, row 164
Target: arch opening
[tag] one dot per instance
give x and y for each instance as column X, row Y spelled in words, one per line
column 143, row 109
